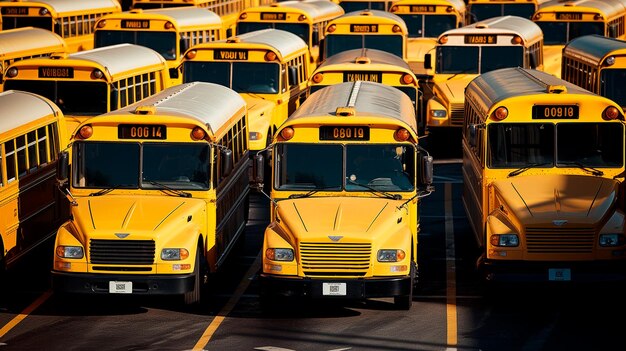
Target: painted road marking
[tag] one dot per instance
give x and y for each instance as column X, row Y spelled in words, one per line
column 28, row 310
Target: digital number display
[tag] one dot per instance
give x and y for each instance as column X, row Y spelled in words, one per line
column 481, row 39
column 55, row 72
column 136, row 24
column 555, row 112
column 234, row 55
column 344, row 133
column 364, row 28
column 141, row 131
column 568, row 16
column 15, row 10
column 423, row 8
column 273, row 16
column 365, row 76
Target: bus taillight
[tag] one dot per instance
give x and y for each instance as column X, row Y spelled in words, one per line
column 500, row 113
column 287, row 133
column 318, row 77
column 402, row 135
column 406, row 79
column 85, row 132
column 198, row 133
column 610, row 113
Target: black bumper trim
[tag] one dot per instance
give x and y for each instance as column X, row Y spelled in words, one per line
column 86, row 283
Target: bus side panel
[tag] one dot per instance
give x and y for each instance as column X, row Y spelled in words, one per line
column 473, row 192
column 231, row 214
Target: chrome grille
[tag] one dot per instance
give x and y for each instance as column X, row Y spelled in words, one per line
column 345, row 259
column 130, row 252
column 560, row 240
column 457, row 113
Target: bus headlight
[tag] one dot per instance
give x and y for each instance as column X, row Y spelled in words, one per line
column 390, row 255
column 438, row 113
column 69, row 251
column 174, row 254
column 508, row 240
column 279, row 254
column 613, row 239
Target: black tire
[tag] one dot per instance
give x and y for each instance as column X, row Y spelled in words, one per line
column 194, row 296
column 404, row 302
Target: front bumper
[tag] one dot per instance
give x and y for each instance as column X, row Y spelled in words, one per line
column 86, row 283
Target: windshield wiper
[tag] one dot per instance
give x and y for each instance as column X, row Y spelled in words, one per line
column 311, row 192
column 376, row 191
column 169, row 191
column 527, row 167
column 591, row 170
column 106, row 190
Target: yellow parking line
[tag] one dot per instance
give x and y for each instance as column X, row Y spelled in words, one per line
column 221, row 316
column 451, row 315
column 28, row 310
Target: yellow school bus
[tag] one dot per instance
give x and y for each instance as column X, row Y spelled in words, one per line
column 598, row 64
column 370, row 65
column 306, row 19
column 32, row 133
column 28, row 42
column 426, row 20
column 269, row 68
column 360, row 5
column 170, row 216
column 157, row 4
column 372, row 29
column 169, row 31
column 92, row 82
column 479, row 10
column 72, row 20
column 564, row 21
column 464, row 53
column 347, row 178
column 543, row 162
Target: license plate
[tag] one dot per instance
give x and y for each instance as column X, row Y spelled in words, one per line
column 334, row 289
column 120, row 287
column 559, row 274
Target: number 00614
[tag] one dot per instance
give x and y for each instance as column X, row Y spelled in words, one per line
column 141, row 131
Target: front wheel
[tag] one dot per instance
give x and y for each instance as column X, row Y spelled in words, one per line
column 195, row 296
column 404, row 302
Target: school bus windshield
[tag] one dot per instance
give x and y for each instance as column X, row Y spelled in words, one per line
column 162, row 42
column 341, row 42
column 299, row 29
column 513, row 145
column 84, row 98
column 352, row 167
column 146, row 165
column 478, row 59
column 559, row 33
column 242, row 77
column 427, row 26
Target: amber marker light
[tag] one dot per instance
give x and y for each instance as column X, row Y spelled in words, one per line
column 302, row 18
column 449, row 9
column 243, row 16
column 317, row 78
column 198, row 133
column 97, row 74
column 191, row 54
column 169, row 25
column 85, row 132
column 610, row 113
column 500, row 113
column 287, row 133
column 396, row 28
column 393, row 8
column 443, row 39
column 516, row 40
column 102, row 23
column 331, row 28
column 12, row 72
column 402, row 134
column 270, row 56
column 407, row 79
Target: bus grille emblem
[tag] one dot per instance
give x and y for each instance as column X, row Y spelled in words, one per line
column 121, row 235
column 335, row 237
column 559, row 222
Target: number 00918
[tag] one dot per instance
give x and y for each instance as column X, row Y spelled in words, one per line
column 141, row 131
column 344, row 133
column 555, row 112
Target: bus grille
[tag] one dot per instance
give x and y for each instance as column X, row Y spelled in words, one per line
column 330, row 259
column 560, row 241
column 457, row 113
column 131, row 252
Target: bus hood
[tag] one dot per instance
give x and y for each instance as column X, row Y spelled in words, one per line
column 536, row 199
column 325, row 218
column 454, row 87
column 141, row 217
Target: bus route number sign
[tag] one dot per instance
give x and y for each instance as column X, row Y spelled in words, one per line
column 136, row 24
column 423, row 8
column 569, row 16
column 344, row 133
column 481, row 39
column 233, row 55
column 142, row 131
column 365, row 76
column 273, row 16
column 364, row 28
column 555, row 112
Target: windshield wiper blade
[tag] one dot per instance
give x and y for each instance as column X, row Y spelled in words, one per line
column 313, row 191
column 591, row 170
column 376, row 191
column 106, row 190
column 527, row 167
column 169, row 191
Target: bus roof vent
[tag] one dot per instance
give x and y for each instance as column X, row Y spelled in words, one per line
column 346, row 111
column 59, row 55
column 363, row 60
column 482, row 25
column 366, row 12
column 556, row 89
column 233, row 40
column 145, row 110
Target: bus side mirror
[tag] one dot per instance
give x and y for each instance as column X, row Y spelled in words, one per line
column 258, row 170
column 472, row 130
column 293, row 75
column 63, row 166
column 226, row 162
column 315, row 38
column 427, row 63
column 426, row 166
